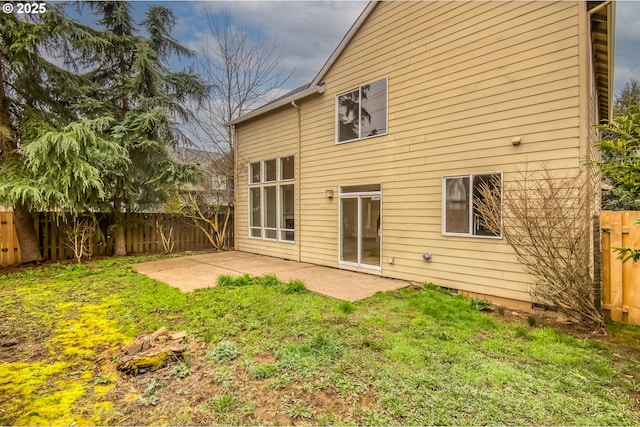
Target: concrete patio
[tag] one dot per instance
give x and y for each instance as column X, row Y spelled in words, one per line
column 201, row 271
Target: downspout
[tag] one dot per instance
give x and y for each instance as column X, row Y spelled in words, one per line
column 232, row 134
column 298, row 168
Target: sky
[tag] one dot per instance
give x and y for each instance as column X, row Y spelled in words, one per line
column 309, row 31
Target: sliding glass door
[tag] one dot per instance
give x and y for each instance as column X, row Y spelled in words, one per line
column 360, row 221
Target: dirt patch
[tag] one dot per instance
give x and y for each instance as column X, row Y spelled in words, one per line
column 194, row 394
column 264, row 357
column 21, row 350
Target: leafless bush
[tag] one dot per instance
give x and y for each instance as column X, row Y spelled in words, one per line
column 207, row 218
column 79, row 232
column 167, row 239
column 546, row 220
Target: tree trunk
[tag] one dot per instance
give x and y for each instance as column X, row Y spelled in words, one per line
column 119, row 244
column 27, row 237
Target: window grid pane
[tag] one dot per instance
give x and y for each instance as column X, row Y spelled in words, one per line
column 490, row 180
column 348, row 116
column 270, row 207
column 457, row 205
column 270, row 170
column 287, row 170
column 254, row 173
column 287, row 223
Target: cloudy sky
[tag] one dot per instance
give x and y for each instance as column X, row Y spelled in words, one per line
column 309, row 31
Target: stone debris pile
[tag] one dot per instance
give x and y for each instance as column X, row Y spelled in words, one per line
column 150, row 352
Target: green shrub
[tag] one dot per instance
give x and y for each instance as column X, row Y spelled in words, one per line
column 225, row 280
column 310, row 352
column 224, row 351
column 262, row 371
column 269, row 280
column 181, row 371
column 481, row 304
column 244, row 280
column 346, row 307
column 224, row 403
column 294, row 287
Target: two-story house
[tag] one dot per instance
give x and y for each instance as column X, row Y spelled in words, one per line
column 374, row 163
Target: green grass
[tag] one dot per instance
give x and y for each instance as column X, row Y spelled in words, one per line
column 410, row 357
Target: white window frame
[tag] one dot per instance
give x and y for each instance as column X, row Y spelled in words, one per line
column 472, row 221
column 262, row 185
column 250, row 200
column 359, row 89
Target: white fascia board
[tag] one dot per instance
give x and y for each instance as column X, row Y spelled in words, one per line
column 284, row 101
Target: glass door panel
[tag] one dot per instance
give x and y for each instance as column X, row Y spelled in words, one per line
column 370, row 235
column 349, row 230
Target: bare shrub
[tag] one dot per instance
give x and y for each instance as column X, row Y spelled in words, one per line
column 78, row 233
column 208, row 218
column 546, row 219
column 167, row 239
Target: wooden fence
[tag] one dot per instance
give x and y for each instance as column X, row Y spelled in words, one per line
column 143, row 234
column 9, row 249
column 620, row 281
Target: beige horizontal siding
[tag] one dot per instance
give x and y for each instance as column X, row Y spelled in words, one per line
column 464, row 78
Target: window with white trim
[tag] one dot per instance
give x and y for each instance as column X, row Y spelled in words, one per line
column 459, row 216
column 272, row 199
column 362, row 112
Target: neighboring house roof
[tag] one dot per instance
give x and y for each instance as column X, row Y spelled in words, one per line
column 602, row 33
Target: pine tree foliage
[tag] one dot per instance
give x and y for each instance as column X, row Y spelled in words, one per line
column 36, row 93
column 146, row 99
column 628, row 97
column 621, row 153
column 615, row 149
column 63, row 170
column 94, row 134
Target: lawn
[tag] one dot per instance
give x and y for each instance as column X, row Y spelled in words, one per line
column 272, row 353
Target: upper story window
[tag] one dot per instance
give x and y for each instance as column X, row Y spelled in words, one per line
column 460, row 217
column 362, row 112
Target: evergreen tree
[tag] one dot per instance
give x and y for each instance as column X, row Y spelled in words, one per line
column 620, row 197
column 629, row 96
column 146, row 99
column 35, row 94
column 94, row 134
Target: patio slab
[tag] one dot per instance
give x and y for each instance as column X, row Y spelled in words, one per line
column 201, row 271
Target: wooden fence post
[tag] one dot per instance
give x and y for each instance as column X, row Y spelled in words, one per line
column 620, row 281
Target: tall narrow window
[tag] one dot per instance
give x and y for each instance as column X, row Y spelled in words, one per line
column 287, row 223
column 459, row 195
column 362, row 113
column 270, row 215
column 255, row 224
column 272, row 199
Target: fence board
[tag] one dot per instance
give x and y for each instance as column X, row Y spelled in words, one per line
column 141, row 236
column 621, row 282
column 9, row 248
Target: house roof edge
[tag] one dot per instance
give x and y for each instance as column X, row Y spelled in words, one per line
column 345, row 41
column 277, row 104
column 316, row 85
